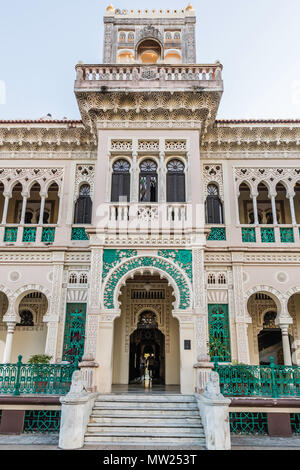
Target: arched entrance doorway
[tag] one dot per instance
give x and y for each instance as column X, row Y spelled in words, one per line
column 270, row 341
column 147, row 350
column 146, row 332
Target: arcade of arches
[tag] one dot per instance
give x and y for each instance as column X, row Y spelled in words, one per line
column 28, row 337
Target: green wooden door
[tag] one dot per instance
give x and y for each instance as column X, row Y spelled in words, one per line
column 74, row 332
column 219, row 332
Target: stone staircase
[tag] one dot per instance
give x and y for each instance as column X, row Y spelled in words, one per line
column 145, row 419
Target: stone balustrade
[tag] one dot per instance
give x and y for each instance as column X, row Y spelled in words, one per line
column 162, row 214
column 137, row 73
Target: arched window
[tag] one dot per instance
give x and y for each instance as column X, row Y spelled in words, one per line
column 120, row 184
column 83, row 278
column 148, row 181
column 147, row 319
column 175, row 181
column 177, row 37
column 211, row 279
column 221, row 279
column 213, row 206
column 130, row 37
column 168, row 37
column 26, row 318
column 84, row 205
column 73, row 278
column 122, row 37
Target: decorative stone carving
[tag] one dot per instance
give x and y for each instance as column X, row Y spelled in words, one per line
column 174, row 274
column 85, row 174
column 213, row 174
column 26, row 176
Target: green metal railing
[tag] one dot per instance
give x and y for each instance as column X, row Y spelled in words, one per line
column 268, row 381
column 41, row 379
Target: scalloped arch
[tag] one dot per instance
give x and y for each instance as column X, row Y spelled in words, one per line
column 174, row 274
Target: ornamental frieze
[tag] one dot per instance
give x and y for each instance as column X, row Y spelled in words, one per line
column 149, row 262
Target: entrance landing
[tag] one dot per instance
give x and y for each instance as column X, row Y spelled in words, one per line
column 140, row 388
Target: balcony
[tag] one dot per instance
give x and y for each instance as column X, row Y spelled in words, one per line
column 27, row 234
column 286, row 235
column 92, row 77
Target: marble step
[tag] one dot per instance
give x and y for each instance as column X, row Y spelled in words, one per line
column 159, row 429
column 146, row 438
column 144, row 397
column 145, row 405
column 144, row 420
column 144, row 412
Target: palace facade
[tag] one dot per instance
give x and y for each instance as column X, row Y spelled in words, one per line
column 149, row 230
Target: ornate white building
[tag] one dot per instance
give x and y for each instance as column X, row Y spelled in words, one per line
column 150, row 227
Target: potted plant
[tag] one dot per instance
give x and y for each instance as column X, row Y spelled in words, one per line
column 40, row 374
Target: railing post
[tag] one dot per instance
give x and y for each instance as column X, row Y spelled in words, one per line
column 273, row 378
column 17, row 386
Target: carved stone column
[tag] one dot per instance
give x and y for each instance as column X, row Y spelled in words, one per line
column 292, row 207
column 273, row 203
column 200, row 304
column 287, row 357
column 24, row 204
column 9, row 341
column 240, row 314
column 254, row 201
column 52, row 317
column 162, row 182
column 42, row 208
column 134, row 179
column 90, row 359
column 5, row 209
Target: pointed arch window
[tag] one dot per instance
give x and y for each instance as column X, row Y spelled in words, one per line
column 213, row 206
column 83, row 206
column 175, row 181
column 120, row 185
column 148, row 181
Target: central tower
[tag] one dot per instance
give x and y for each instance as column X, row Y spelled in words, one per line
column 148, row 105
column 149, row 36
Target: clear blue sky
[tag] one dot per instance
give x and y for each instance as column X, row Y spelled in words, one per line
column 257, row 41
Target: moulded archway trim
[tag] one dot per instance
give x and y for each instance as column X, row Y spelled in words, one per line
column 176, row 277
column 278, row 297
column 4, row 290
column 19, row 294
column 290, row 293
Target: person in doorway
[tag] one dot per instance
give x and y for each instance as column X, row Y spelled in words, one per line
column 142, row 367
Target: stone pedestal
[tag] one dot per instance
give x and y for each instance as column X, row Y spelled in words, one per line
column 214, row 411
column 77, row 406
column 203, row 369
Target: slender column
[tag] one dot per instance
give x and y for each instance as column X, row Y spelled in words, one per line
column 292, row 208
column 274, row 213
column 134, row 182
column 5, row 209
column 189, row 179
column 25, row 197
column 237, row 208
column 9, row 340
column 43, row 200
column 162, row 183
column 286, row 345
column 254, row 201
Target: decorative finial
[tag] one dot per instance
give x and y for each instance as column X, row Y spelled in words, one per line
column 110, row 8
column 189, row 7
